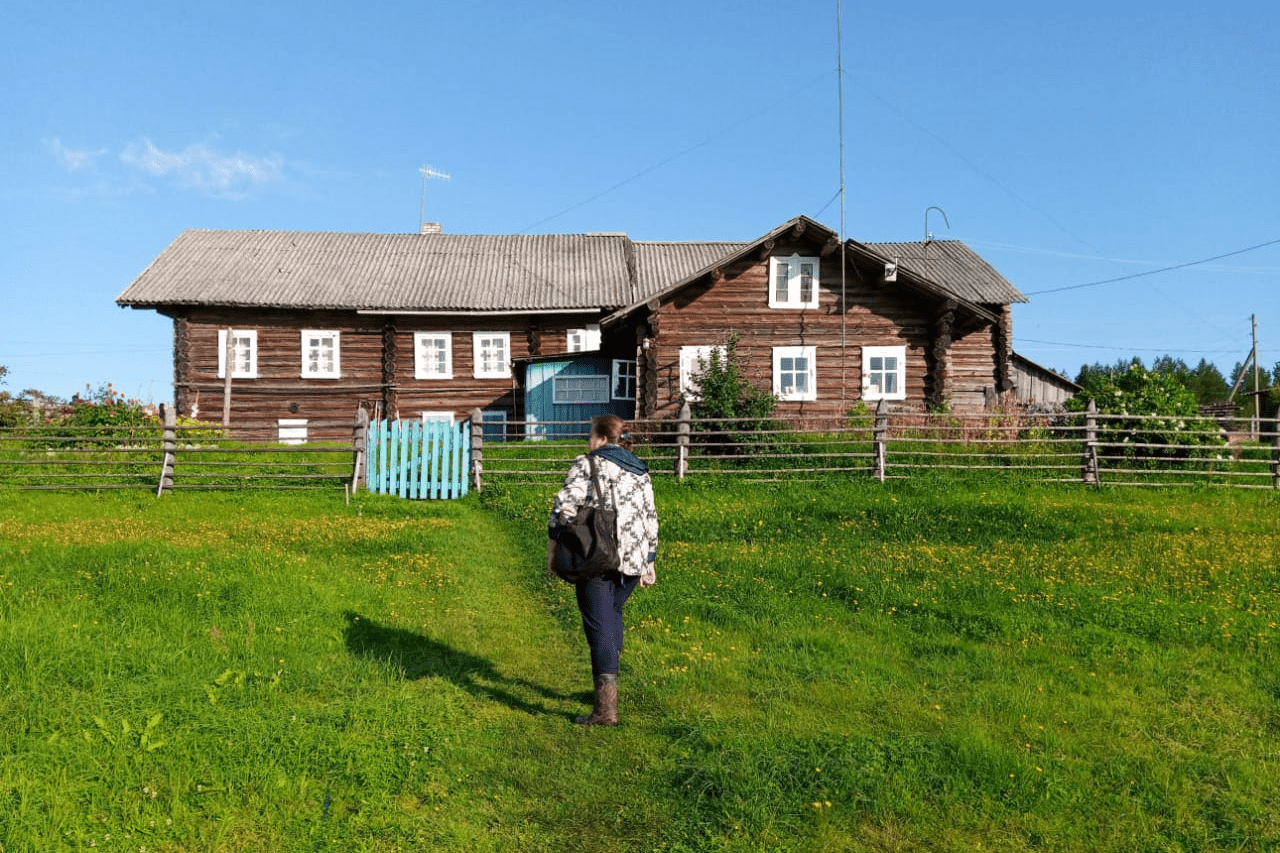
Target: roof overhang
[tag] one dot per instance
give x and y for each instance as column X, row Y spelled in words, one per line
column 376, row 312
column 920, row 284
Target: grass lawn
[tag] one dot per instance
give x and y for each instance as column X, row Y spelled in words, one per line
column 941, row 664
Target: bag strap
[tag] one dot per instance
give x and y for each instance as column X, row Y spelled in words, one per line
column 595, row 480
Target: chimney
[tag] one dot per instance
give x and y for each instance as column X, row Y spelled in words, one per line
column 430, row 228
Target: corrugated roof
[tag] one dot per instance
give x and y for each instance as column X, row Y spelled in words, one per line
column 954, row 266
column 405, row 272
column 496, row 273
column 663, row 264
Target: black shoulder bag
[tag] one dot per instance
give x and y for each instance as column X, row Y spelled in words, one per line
column 587, row 546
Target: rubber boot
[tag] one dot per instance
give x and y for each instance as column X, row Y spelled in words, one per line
column 605, row 712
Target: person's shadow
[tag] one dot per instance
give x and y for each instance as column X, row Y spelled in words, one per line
column 418, row 657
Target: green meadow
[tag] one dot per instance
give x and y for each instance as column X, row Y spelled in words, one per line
column 941, row 664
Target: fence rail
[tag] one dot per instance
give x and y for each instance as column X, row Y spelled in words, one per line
column 1086, row 447
column 1089, row 448
column 163, row 457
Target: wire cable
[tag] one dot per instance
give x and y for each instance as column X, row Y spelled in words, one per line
column 1154, row 272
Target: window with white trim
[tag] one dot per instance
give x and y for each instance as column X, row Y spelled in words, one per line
column 492, row 352
column 432, row 355
column 624, row 379
column 291, row 430
column 584, row 340
column 244, row 353
column 572, row 390
column 884, row 373
column 795, row 373
column 320, row 354
column 693, row 362
column 793, row 282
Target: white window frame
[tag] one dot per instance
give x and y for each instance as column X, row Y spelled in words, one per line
column 794, row 279
column 478, row 349
column 425, row 367
column 574, row 390
column 586, row 339
column 291, row 430
column 248, row 369
column 694, row 359
column 789, row 393
column 625, row 372
column 870, row 392
column 317, row 370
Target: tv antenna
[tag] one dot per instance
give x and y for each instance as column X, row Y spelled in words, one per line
column 426, row 172
column 928, row 235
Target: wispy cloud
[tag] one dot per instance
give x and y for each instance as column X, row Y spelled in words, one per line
column 72, row 158
column 200, row 167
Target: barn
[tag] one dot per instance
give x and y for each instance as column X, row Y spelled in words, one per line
column 279, row 331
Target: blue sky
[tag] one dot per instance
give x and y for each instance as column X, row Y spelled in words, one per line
column 1069, row 144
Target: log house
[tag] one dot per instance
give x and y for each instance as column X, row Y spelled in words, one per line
column 435, row 325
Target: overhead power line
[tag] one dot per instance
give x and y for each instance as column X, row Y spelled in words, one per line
column 1127, row 348
column 1153, row 272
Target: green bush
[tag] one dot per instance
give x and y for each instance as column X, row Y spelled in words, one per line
column 108, row 408
column 100, row 418
column 734, row 416
column 13, row 412
column 1160, row 422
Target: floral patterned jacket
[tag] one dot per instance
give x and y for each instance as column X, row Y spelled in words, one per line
column 628, row 493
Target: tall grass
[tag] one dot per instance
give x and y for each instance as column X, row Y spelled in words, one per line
column 933, row 664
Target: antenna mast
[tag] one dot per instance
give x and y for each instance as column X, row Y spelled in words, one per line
column 427, row 172
column 844, row 307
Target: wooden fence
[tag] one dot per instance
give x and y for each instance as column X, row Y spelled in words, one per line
column 168, row 456
column 1088, row 448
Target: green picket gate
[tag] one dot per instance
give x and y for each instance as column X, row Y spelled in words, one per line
column 427, row 460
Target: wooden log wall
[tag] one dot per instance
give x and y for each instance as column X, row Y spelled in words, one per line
column 875, row 314
column 181, row 363
column 973, row 370
column 376, row 356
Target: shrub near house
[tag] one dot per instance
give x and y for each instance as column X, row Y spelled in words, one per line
column 1159, row 416
column 728, row 406
column 108, row 408
column 101, row 417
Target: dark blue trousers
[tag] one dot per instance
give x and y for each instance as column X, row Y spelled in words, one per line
column 600, row 600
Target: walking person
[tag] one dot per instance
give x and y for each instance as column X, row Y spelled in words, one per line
column 627, row 489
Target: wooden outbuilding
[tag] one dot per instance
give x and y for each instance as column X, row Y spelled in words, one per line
column 312, row 326
column 1040, row 387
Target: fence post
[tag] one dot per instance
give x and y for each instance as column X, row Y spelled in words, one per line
column 229, row 356
column 477, row 448
column 360, row 443
column 682, row 440
column 1089, row 468
column 881, row 439
column 170, row 447
column 1275, row 452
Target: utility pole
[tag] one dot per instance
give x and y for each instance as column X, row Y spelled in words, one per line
column 1255, row 428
